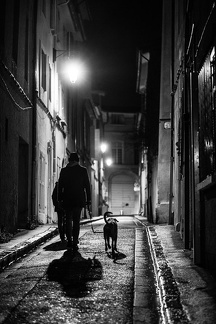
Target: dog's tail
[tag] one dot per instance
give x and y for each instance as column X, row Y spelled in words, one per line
column 105, row 216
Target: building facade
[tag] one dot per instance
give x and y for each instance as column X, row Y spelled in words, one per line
column 185, row 165
column 17, row 97
column 44, row 113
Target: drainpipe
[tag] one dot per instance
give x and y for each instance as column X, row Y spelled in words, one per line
column 170, row 222
column 34, row 122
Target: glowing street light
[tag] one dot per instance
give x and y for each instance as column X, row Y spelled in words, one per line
column 109, row 161
column 74, row 70
column 73, row 67
column 103, row 147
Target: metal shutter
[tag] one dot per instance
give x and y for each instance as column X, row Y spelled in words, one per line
column 122, row 195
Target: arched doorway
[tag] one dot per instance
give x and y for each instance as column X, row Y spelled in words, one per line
column 122, row 195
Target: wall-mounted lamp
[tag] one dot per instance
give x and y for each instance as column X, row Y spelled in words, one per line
column 73, row 70
column 73, row 66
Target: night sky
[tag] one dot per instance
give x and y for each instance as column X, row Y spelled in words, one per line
column 117, row 30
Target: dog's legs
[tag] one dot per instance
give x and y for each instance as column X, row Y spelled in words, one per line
column 108, row 242
column 105, row 241
column 115, row 244
column 113, row 247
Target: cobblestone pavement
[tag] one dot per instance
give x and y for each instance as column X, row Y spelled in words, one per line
column 187, row 293
column 51, row 285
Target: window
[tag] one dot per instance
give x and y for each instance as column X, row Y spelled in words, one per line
column 50, row 83
column 117, row 152
column 62, row 99
column 43, row 70
column 16, row 30
column 2, row 24
column 117, row 119
column 52, row 15
column 26, row 49
column 44, row 7
column 206, row 97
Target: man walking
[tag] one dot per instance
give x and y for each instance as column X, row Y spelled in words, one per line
column 75, row 193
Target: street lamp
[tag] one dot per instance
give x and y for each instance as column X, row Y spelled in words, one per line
column 102, row 185
column 74, row 70
column 109, row 161
column 103, row 147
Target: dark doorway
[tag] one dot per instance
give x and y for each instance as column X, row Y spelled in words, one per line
column 23, row 184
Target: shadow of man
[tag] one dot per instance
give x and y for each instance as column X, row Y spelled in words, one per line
column 57, row 246
column 73, row 272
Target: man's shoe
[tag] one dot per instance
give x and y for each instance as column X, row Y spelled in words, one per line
column 62, row 239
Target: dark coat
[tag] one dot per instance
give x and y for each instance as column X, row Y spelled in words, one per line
column 74, row 186
column 55, row 199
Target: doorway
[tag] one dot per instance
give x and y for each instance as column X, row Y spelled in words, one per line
column 23, row 197
column 122, row 195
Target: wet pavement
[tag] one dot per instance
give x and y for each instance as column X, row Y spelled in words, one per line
column 186, row 293
column 84, row 287
column 54, row 285
column 146, row 304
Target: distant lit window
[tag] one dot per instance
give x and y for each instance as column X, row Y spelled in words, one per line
column 117, row 152
column 117, row 119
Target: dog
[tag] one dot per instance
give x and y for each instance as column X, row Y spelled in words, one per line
column 110, row 230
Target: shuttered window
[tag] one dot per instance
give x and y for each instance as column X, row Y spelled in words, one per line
column 207, row 116
column 42, row 183
column 43, row 71
column 117, row 152
column 122, row 195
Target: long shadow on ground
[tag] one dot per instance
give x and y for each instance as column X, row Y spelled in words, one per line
column 73, row 272
column 57, row 246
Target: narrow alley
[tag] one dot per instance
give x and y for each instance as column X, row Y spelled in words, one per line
column 153, row 279
column 53, row 285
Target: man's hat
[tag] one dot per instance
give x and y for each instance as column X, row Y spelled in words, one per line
column 74, row 157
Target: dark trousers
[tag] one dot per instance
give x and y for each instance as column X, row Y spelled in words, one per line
column 73, row 224
column 61, row 224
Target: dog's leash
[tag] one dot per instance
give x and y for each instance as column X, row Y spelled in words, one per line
column 90, row 216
